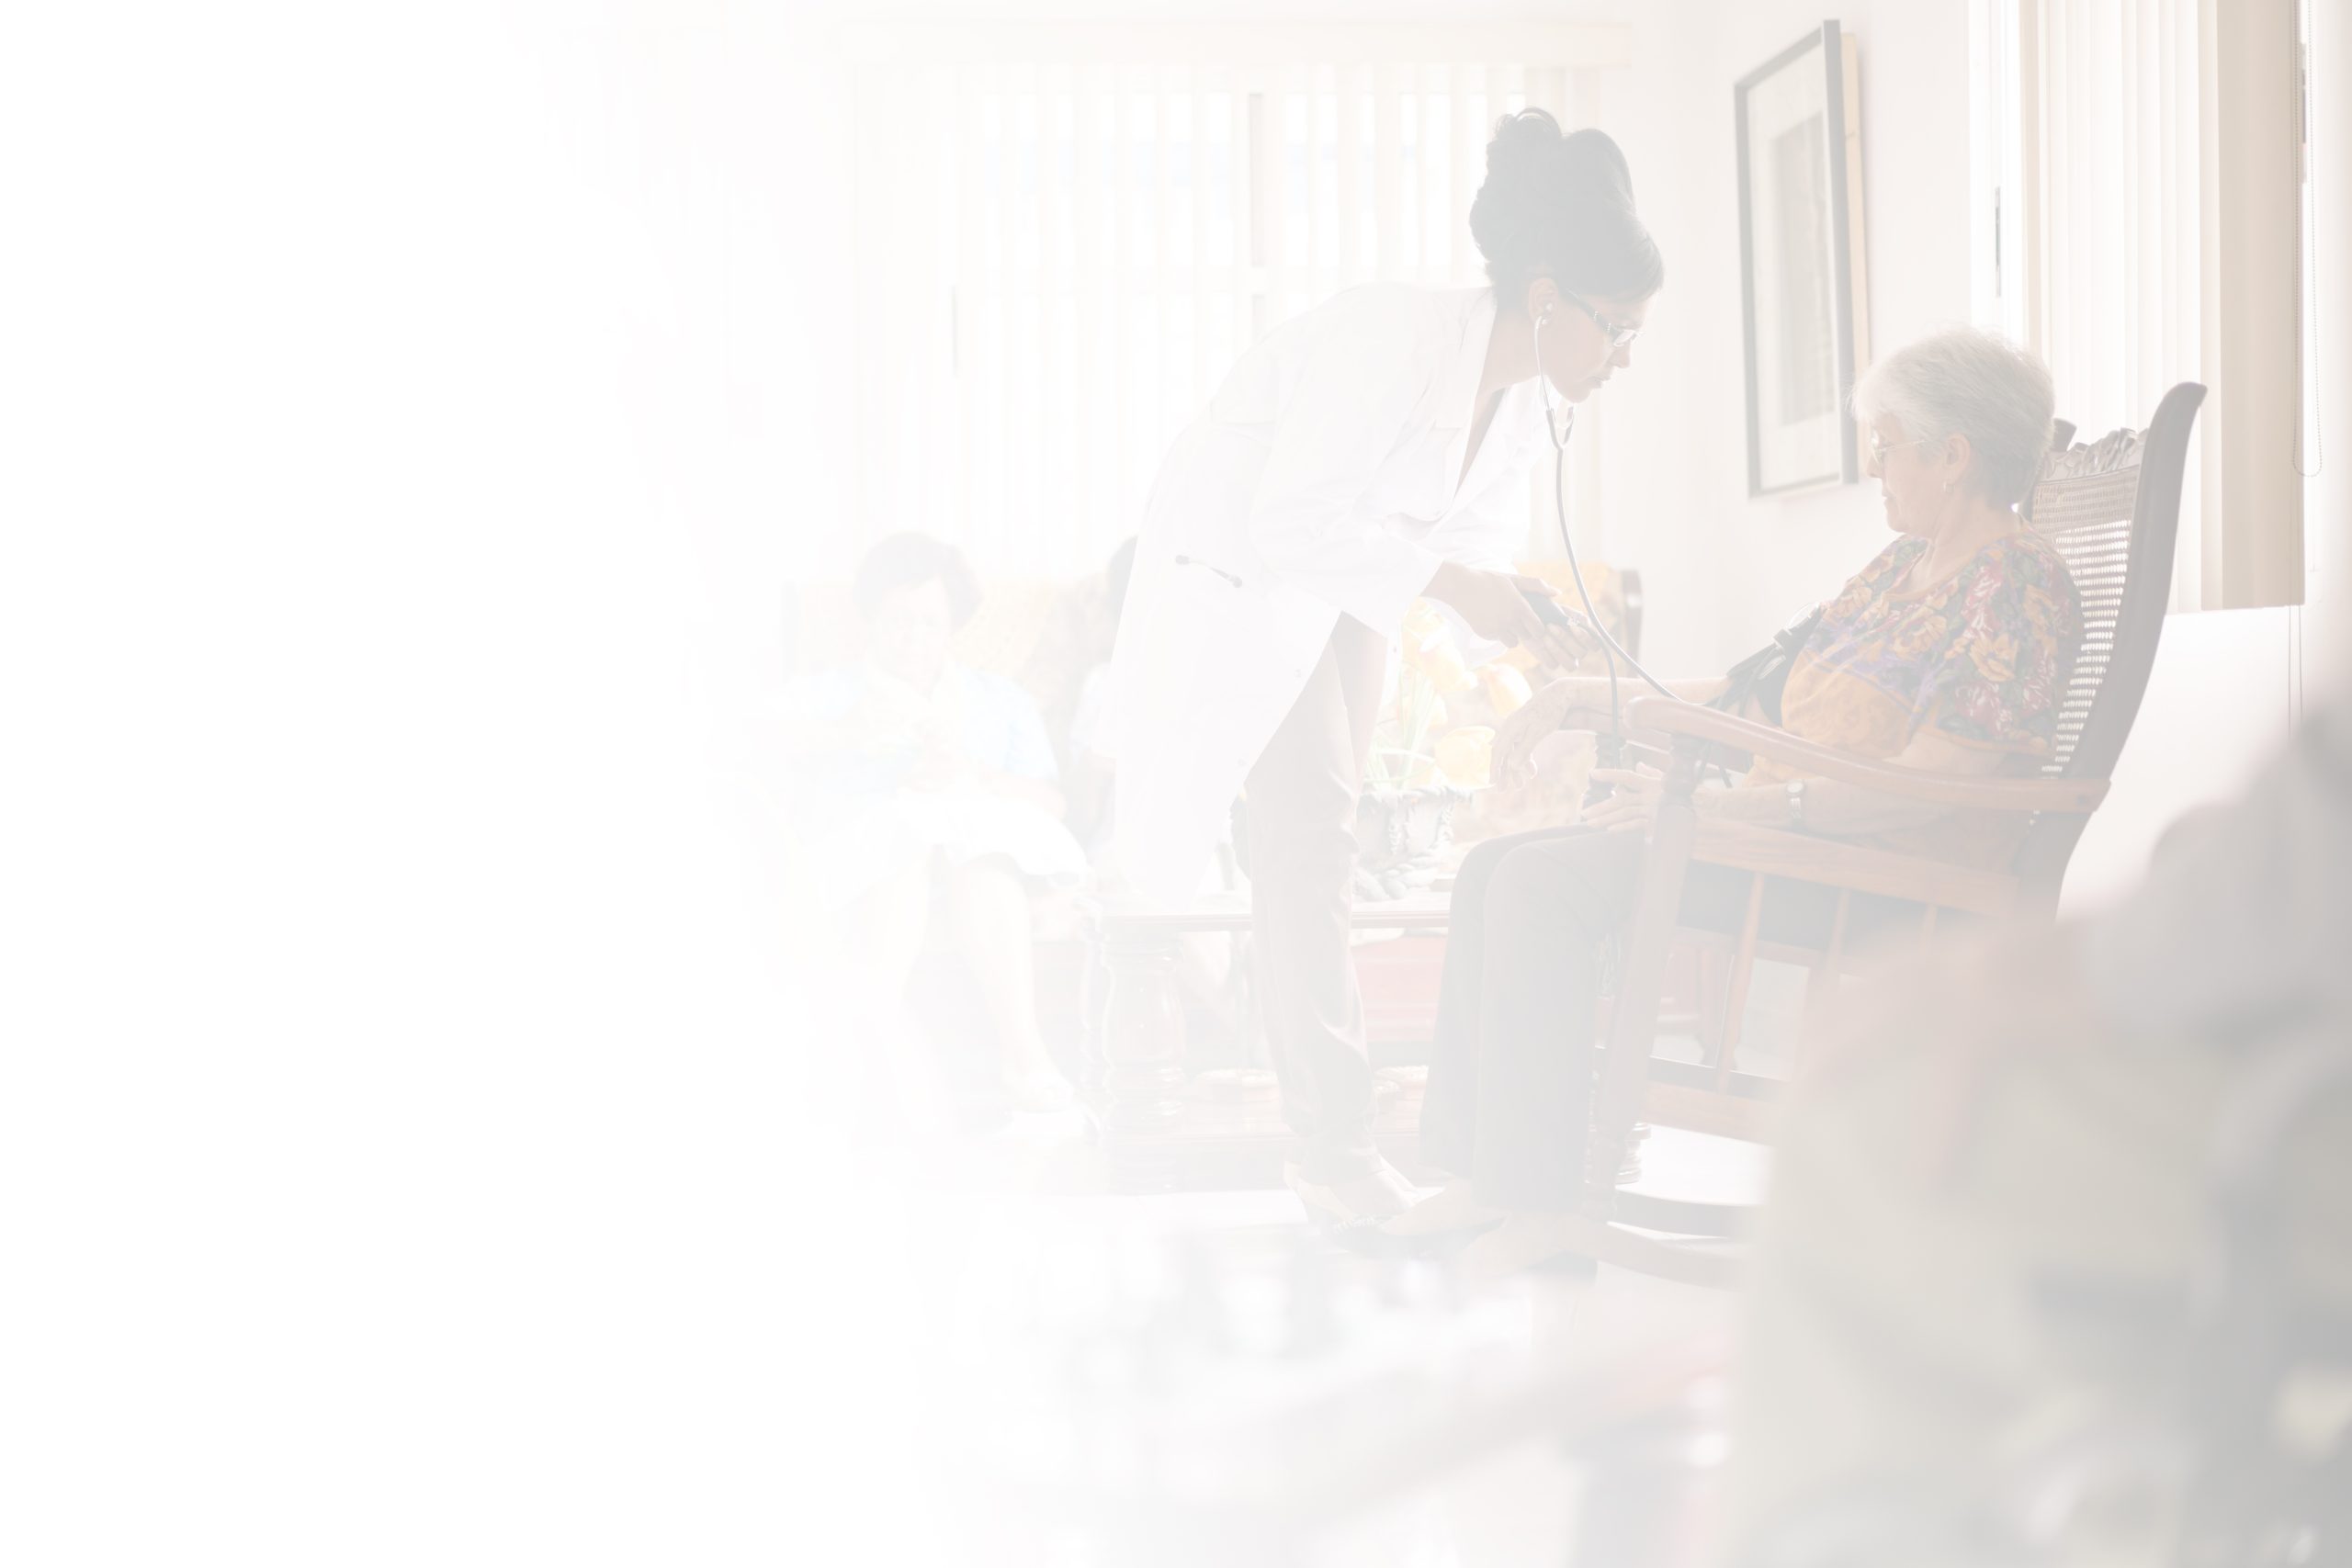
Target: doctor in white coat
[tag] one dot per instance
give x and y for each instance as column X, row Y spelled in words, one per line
column 1369, row 451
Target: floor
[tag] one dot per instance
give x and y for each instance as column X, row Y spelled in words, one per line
column 1203, row 1376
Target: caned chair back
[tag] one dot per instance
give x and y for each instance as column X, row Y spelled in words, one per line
column 2111, row 508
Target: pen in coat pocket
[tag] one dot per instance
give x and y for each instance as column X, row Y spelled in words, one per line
column 1187, row 560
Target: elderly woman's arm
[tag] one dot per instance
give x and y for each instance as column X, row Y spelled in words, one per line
column 1838, row 809
column 1832, row 807
column 1577, row 702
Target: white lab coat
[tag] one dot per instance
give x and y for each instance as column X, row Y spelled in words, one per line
column 1319, row 483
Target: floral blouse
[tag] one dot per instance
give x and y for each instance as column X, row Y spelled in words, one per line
column 1983, row 657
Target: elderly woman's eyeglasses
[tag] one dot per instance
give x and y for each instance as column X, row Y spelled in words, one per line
column 1879, row 450
column 1618, row 337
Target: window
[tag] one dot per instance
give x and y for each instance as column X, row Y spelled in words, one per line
column 2140, row 174
column 1070, row 236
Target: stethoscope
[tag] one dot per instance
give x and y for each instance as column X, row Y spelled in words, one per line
column 1559, row 433
column 1611, row 648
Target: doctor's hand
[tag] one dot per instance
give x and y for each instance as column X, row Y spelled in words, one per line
column 1494, row 602
column 1564, row 647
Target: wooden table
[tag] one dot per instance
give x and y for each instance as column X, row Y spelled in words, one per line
column 1160, row 1132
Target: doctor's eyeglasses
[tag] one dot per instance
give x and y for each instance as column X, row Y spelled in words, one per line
column 1619, row 336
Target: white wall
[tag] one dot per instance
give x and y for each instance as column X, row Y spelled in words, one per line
column 1723, row 571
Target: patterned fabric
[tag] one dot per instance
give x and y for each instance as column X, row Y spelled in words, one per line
column 1983, row 657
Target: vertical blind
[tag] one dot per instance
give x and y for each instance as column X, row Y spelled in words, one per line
column 1058, row 262
column 2162, row 167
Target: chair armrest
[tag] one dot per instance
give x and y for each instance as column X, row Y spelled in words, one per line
column 1691, row 722
column 1832, row 863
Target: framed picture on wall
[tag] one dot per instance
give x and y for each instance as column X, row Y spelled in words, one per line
column 1802, row 277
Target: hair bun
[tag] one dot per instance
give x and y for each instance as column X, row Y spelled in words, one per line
column 1594, row 158
column 1561, row 203
column 1531, row 152
column 1523, row 142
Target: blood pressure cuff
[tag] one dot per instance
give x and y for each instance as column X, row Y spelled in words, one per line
column 1764, row 674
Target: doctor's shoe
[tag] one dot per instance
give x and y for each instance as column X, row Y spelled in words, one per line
column 1372, row 1190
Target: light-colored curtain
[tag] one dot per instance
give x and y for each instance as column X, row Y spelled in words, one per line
column 2162, row 209
column 1062, row 248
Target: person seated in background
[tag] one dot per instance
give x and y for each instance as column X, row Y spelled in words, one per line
column 932, row 792
column 1949, row 651
column 2059, row 1232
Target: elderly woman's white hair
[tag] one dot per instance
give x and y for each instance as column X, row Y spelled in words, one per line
column 1966, row 381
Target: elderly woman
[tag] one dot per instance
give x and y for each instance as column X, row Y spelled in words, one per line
column 1949, row 651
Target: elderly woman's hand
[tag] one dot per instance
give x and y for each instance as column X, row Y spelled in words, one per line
column 1572, row 701
column 1513, row 760
column 1630, row 805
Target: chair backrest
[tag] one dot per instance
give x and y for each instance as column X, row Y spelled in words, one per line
column 2111, row 508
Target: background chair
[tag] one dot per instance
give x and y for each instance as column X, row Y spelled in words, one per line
column 2112, row 509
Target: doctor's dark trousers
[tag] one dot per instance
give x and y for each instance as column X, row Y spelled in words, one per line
column 1302, row 847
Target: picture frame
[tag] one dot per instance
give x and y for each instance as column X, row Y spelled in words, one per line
column 1804, row 285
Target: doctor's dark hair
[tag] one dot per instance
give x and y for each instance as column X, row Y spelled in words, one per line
column 1562, row 207
column 910, row 560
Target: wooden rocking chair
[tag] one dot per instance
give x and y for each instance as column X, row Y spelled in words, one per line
column 2112, row 510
